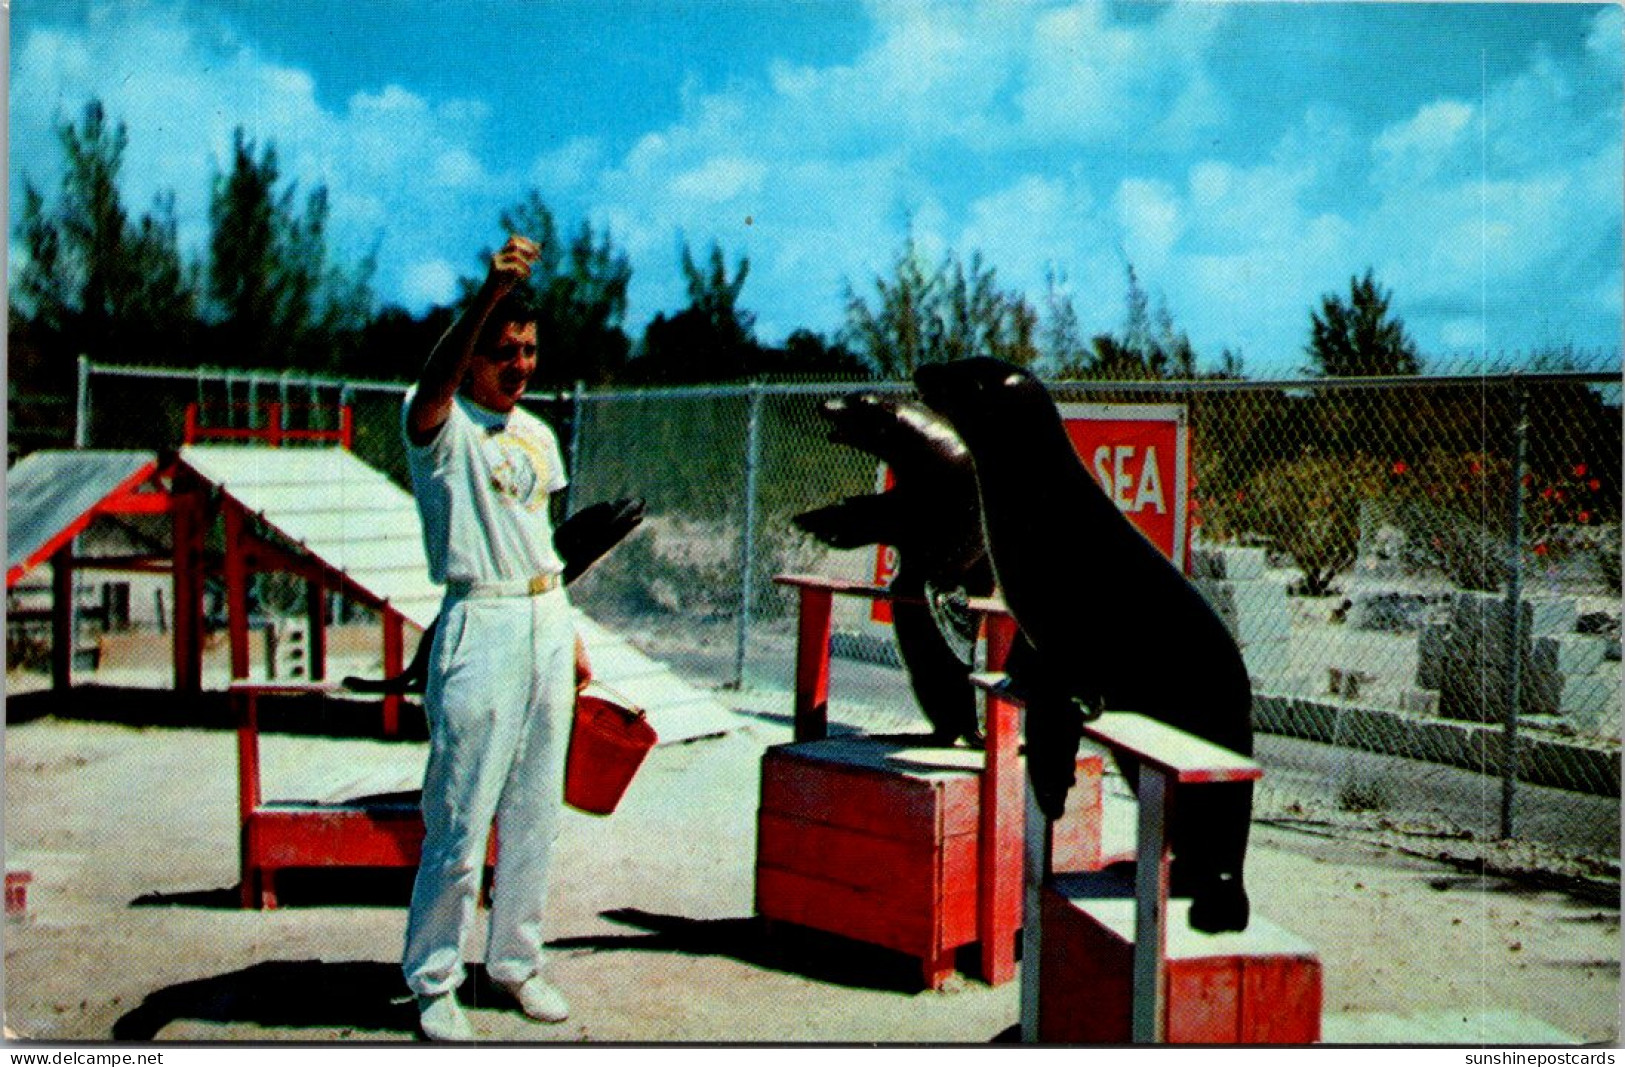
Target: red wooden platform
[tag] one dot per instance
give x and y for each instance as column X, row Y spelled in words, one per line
column 911, row 848
column 278, row 836
column 872, row 839
column 1259, row 987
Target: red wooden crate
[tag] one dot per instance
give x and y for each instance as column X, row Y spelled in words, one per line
column 873, row 840
column 1258, row 987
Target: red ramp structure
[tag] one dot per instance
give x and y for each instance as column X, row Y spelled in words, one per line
column 318, row 513
column 51, row 498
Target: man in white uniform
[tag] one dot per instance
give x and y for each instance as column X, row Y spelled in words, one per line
column 505, row 663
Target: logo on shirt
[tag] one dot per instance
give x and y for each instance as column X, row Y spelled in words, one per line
column 520, row 474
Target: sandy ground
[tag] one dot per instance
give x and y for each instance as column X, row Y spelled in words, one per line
column 132, row 933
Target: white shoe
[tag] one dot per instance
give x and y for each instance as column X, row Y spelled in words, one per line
column 442, row 1018
column 539, row 1000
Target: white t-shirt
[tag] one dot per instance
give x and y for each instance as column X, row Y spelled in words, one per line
column 481, row 485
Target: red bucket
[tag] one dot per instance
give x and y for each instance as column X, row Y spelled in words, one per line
column 607, row 745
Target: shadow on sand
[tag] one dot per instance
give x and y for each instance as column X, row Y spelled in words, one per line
column 319, row 716
column 294, row 994
column 315, row 887
column 810, row 954
column 366, row 996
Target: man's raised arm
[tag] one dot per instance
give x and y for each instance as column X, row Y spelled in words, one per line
column 444, row 370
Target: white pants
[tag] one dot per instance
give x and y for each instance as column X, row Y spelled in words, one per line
column 500, row 694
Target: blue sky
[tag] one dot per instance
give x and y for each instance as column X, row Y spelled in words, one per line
column 1245, row 158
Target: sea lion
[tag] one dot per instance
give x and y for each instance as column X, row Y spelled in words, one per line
column 1107, row 622
column 581, row 541
column 930, row 516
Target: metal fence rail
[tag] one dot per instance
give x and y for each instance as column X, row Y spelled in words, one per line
column 1423, row 572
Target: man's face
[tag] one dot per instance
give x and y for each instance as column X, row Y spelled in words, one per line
column 498, row 375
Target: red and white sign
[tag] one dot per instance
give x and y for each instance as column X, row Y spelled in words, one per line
column 1138, row 453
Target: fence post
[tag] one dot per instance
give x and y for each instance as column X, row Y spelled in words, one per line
column 747, row 539
column 81, row 407
column 1514, row 608
column 573, row 466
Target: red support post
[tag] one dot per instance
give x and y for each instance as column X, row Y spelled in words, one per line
column 248, row 795
column 812, row 665
column 394, row 663
column 187, row 577
column 347, row 427
column 1000, row 814
column 236, row 590
column 273, row 423
column 189, row 435
column 63, row 610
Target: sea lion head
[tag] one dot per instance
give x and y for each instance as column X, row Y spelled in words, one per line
column 900, row 432
column 981, row 395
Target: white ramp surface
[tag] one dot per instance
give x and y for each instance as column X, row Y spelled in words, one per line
column 349, row 516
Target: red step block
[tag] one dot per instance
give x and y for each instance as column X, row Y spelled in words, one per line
column 1258, row 987
column 872, row 839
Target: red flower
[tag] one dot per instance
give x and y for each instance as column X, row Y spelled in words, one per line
column 1540, row 548
column 1400, row 466
column 1585, row 516
column 1579, row 470
column 1594, row 484
column 1546, row 493
column 1475, row 467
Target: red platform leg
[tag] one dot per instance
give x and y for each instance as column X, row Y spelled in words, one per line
column 812, row 665
column 394, row 663
column 236, row 591
column 936, row 970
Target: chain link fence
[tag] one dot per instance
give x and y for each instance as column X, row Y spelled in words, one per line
column 1423, row 573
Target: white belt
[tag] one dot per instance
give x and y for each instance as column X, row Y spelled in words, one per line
column 532, row 586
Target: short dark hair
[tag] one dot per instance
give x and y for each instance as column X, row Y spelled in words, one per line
column 517, row 305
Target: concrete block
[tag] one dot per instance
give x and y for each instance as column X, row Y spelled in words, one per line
column 1569, row 654
column 1253, row 627
column 1267, row 659
column 1551, row 614
column 1228, row 563
column 1541, row 614
column 1586, row 701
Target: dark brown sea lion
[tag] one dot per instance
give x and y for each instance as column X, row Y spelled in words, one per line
column 1107, row 622
column 581, row 541
column 930, row 516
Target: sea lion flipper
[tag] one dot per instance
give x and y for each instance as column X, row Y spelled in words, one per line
column 958, row 625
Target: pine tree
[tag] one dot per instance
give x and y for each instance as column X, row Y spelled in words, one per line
column 1360, row 338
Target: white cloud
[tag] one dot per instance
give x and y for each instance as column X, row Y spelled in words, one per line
column 721, row 179
column 1037, row 134
column 1416, row 149
column 385, row 156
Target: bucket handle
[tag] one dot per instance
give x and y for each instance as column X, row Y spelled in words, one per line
column 621, row 698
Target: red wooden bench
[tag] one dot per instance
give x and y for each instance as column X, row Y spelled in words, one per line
column 1096, row 964
column 278, row 835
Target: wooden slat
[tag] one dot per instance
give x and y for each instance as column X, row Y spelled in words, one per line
column 1186, row 759
column 901, row 874
column 813, row 781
